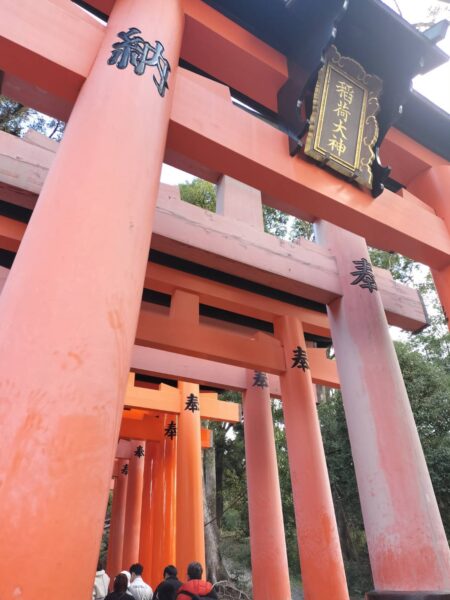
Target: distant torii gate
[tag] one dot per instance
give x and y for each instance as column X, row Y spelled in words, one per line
column 167, row 528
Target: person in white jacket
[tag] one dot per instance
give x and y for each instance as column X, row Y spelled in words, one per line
column 101, row 583
column 138, row 588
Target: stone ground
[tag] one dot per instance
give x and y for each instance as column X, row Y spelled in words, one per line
column 297, row 592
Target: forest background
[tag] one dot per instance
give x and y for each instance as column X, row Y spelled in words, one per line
column 425, row 363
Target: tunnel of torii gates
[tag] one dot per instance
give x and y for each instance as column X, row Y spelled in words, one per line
column 217, row 303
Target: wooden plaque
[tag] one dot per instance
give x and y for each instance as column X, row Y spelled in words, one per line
column 343, row 127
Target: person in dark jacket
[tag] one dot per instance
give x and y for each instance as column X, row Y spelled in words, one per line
column 167, row 589
column 120, row 589
column 195, row 588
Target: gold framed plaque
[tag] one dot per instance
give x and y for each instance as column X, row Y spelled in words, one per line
column 343, row 126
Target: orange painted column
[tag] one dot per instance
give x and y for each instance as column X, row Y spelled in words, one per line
column 165, row 511
column 270, row 571
column 170, row 506
column 433, row 187
column 117, row 525
column 190, row 526
column 158, row 500
column 69, row 312
column 134, row 505
column 321, row 560
column 407, row 544
column 146, row 532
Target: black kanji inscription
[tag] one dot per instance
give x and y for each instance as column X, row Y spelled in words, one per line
column 260, row 380
column 124, row 470
column 300, row 359
column 171, row 430
column 134, row 50
column 192, row 403
column 139, row 452
column 364, row 275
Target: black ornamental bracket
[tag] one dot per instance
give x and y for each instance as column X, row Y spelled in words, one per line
column 370, row 33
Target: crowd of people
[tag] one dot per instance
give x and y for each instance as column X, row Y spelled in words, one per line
column 129, row 585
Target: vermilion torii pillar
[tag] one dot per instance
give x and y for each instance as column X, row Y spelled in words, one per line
column 133, row 512
column 117, row 523
column 270, row 571
column 165, row 513
column 157, row 504
column 433, row 187
column 321, row 560
column 190, row 540
column 65, row 359
column 146, row 534
column 407, row 544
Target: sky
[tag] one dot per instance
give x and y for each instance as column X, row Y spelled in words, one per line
column 436, row 84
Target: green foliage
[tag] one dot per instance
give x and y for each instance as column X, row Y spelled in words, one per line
column 434, row 341
column 275, row 221
column 428, row 385
column 199, row 192
column 237, row 550
column 301, row 229
column 16, row 119
column 402, row 269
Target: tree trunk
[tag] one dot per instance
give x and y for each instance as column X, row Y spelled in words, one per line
column 348, row 550
column 215, row 569
column 219, row 448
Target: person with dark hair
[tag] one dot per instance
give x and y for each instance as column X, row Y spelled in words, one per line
column 195, row 588
column 167, row 589
column 101, row 582
column 120, row 589
column 138, row 588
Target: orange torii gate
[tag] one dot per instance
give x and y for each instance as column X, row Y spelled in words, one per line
column 184, row 231
column 93, row 237
column 171, row 419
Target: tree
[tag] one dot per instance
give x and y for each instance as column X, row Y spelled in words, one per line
column 199, row 192
column 14, row 116
column 215, row 569
column 275, row 222
column 16, row 119
column 434, row 341
column 402, row 269
column 301, row 229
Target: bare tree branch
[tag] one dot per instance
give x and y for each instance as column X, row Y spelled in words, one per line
column 399, row 10
column 58, row 123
